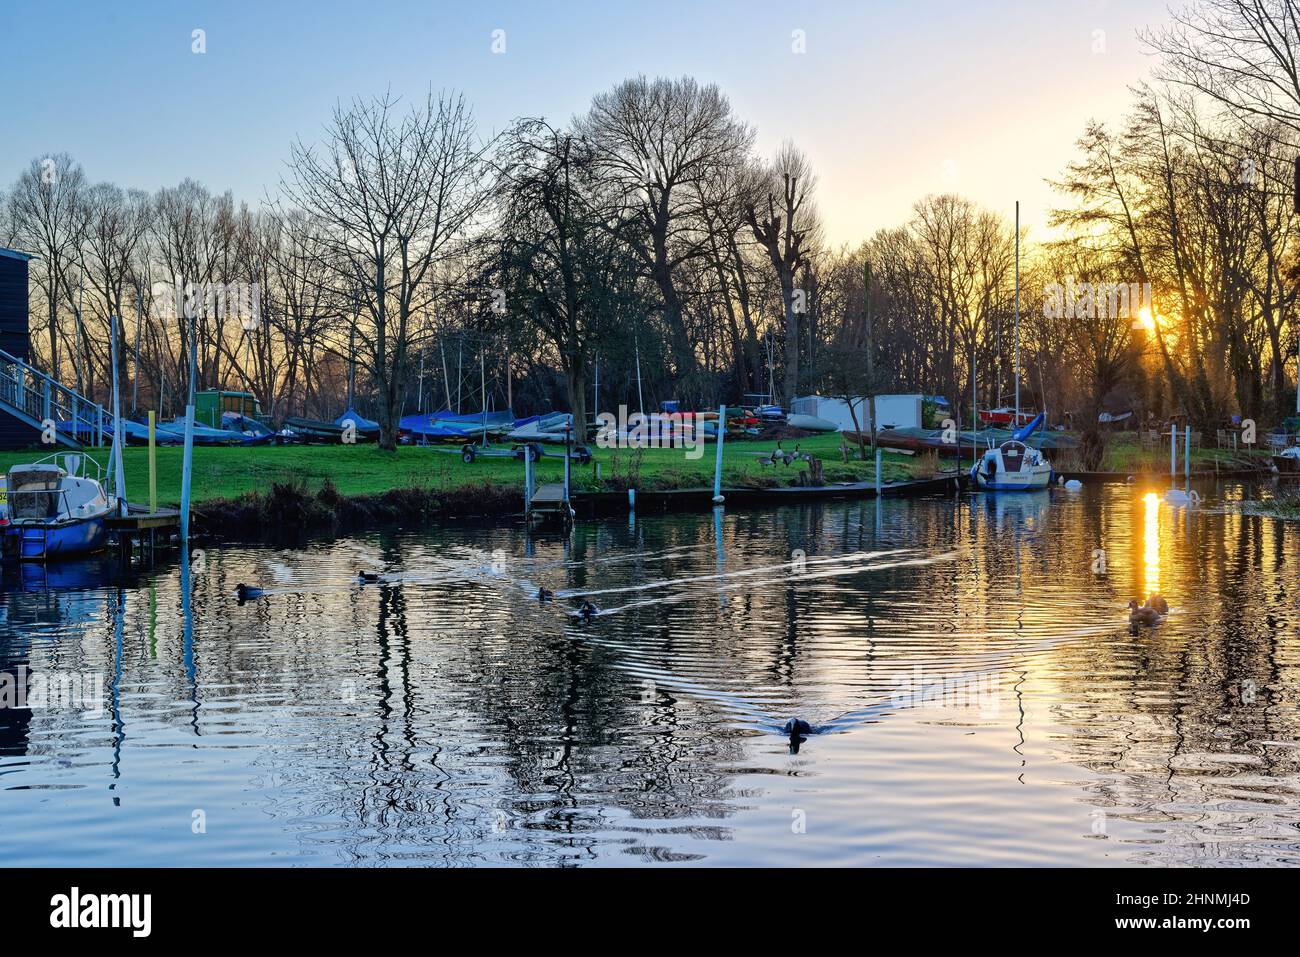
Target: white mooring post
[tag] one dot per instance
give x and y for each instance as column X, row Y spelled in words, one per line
column 1187, row 452
column 877, row 472
column 528, row 480
column 568, row 451
column 717, row 462
column 119, row 473
column 1173, row 450
column 187, row 462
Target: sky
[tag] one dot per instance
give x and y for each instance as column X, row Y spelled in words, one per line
column 891, row 100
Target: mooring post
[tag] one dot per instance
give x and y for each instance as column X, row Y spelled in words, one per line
column 631, row 500
column 717, row 462
column 1187, row 452
column 877, row 472
column 153, row 465
column 528, row 480
column 1173, row 450
column 568, row 450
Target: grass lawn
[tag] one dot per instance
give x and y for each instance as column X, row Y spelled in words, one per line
column 1124, row 453
column 363, row 470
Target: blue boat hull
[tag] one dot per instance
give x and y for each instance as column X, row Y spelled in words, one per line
column 64, row 540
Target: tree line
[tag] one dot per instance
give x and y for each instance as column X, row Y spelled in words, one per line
column 644, row 248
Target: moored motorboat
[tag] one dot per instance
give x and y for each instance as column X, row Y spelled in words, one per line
column 54, row 512
column 1288, row 460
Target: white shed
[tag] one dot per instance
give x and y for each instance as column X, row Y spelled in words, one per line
column 892, row 411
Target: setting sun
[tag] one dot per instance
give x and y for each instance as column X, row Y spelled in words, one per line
column 1146, row 320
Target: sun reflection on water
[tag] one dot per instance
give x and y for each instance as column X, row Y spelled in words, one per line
column 1151, row 542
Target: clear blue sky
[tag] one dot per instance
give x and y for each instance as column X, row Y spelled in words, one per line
column 892, row 99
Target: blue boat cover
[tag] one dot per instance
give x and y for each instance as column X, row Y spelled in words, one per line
column 1025, row 431
column 445, row 424
column 362, row 424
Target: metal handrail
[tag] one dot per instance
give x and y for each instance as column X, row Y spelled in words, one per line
column 44, row 397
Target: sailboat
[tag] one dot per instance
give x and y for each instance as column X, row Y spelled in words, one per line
column 1014, row 466
column 54, row 508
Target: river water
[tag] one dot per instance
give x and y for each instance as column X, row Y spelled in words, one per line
column 967, row 661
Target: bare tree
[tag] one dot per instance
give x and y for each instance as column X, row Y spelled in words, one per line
column 394, row 196
column 1243, row 54
column 654, row 141
column 48, row 218
column 781, row 214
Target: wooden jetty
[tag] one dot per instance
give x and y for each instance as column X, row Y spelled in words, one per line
column 702, row 498
column 139, row 526
column 549, row 499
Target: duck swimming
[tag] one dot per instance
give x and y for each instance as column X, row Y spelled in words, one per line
column 1158, row 602
column 588, row 611
column 245, row 592
column 796, row 727
column 1142, row 614
column 368, row 578
column 545, row 594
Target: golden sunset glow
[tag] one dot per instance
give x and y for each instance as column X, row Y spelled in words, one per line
column 1151, row 542
column 1146, row 320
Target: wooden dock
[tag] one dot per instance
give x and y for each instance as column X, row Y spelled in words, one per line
column 139, row 526
column 702, row 498
column 548, row 499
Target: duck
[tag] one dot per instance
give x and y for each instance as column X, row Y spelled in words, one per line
column 545, row 594
column 1142, row 614
column 588, row 611
column 1157, row 602
column 797, row 727
column 368, row 578
column 245, row 592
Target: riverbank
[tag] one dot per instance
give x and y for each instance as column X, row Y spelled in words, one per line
column 243, row 492
column 1125, row 455
column 1285, row 506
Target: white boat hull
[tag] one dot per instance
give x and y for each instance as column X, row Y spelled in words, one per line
column 1029, row 481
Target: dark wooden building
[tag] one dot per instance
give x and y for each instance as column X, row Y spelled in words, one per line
column 15, row 340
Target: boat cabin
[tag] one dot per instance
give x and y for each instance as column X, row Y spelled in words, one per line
column 43, row 492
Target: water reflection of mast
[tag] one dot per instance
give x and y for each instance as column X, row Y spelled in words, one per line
column 187, row 639
column 119, row 728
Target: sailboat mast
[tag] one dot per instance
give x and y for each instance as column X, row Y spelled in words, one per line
column 1017, row 425
column 639, row 400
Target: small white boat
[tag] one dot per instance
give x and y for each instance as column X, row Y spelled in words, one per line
column 810, row 423
column 1011, row 467
column 55, row 512
column 1288, row 460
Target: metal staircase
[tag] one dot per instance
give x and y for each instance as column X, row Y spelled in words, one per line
column 35, row 398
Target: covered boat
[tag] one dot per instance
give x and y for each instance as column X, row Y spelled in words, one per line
column 445, row 425
column 52, row 512
column 541, row 428
column 367, row 429
column 311, row 430
column 1288, row 460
